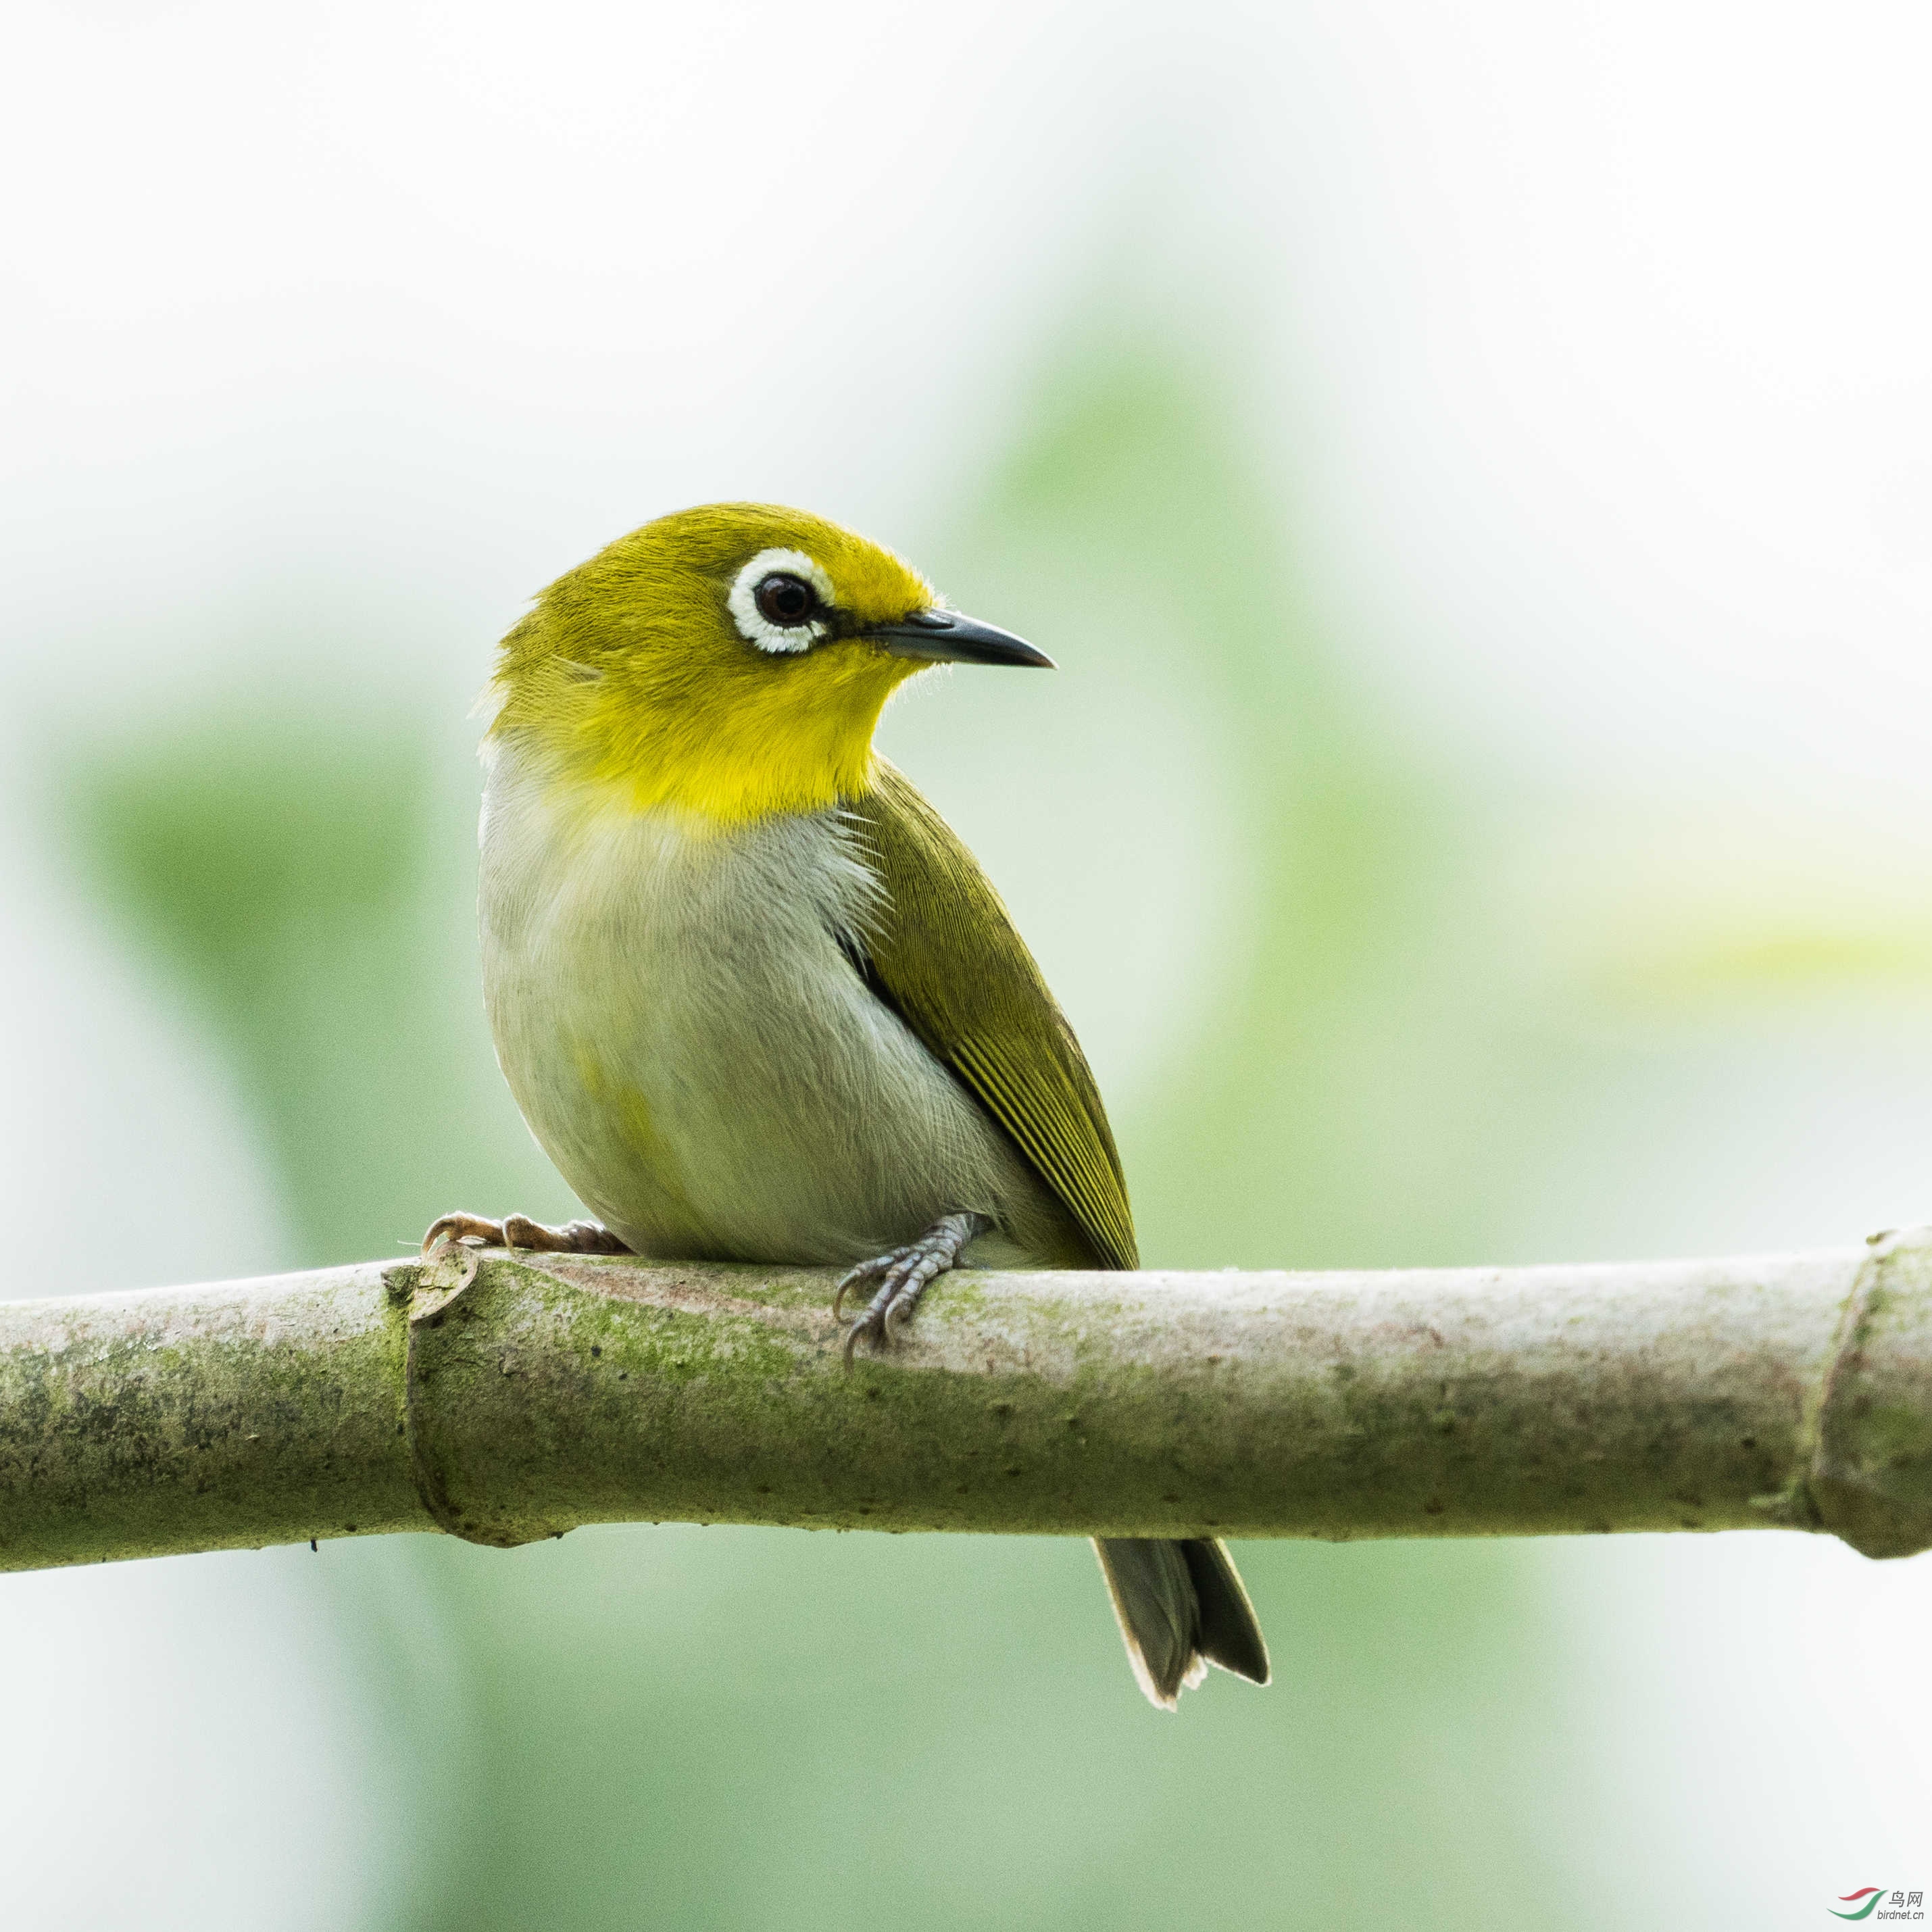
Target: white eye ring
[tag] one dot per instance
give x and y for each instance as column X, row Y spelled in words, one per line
column 753, row 625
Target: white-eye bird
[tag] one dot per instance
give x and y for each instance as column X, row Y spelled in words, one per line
column 755, row 999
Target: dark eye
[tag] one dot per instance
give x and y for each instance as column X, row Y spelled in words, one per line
column 785, row 600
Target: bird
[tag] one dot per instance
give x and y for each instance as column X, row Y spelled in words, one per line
column 755, row 999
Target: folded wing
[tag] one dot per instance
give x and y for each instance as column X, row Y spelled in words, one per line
column 945, row 954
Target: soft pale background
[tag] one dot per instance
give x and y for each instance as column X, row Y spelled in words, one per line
column 1472, row 466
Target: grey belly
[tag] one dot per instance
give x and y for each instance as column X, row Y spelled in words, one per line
column 691, row 1045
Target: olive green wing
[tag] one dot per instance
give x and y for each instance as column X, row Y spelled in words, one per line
column 942, row 952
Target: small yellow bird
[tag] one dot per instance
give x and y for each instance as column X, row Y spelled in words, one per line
column 755, row 999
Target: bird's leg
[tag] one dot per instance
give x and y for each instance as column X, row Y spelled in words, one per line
column 903, row 1275
column 519, row 1231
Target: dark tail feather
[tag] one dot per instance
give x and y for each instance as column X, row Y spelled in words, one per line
column 1181, row 1606
column 1230, row 1636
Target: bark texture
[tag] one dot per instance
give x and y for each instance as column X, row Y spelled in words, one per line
column 505, row 1398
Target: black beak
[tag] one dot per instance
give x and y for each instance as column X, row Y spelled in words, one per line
column 945, row 637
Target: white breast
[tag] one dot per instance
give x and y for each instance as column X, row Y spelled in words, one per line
column 691, row 1045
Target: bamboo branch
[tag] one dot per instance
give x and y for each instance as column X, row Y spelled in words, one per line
column 517, row 1397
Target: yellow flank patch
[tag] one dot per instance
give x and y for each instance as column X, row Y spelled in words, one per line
column 653, row 1164
column 630, row 673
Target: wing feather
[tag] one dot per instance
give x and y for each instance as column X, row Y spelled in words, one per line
column 944, row 953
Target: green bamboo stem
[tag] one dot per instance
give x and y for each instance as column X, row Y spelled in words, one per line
column 514, row 1397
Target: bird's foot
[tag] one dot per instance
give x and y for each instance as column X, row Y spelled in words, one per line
column 904, row 1274
column 519, row 1231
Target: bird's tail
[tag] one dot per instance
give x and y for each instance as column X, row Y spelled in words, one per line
column 1180, row 1607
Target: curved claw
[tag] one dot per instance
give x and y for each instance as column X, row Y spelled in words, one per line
column 519, row 1231
column 464, row 1227
column 853, row 1276
column 852, row 1335
column 905, row 1273
column 875, row 1324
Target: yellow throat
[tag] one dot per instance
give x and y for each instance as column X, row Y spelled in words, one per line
column 635, row 674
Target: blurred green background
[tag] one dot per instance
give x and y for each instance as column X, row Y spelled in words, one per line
column 1370, row 978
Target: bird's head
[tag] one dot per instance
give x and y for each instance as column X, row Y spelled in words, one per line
column 730, row 662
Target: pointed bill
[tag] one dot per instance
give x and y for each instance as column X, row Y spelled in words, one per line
column 950, row 637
